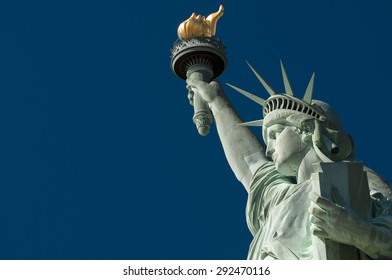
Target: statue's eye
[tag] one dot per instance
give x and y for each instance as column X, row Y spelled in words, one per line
column 275, row 131
column 274, row 134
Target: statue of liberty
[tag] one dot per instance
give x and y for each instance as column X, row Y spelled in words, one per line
column 283, row 213
column 296, row 180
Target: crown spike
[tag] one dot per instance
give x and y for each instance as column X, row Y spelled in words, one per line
column 270, row 90
column 309, row 91
column 251, row 96
column 287, row 85
column 252, row 123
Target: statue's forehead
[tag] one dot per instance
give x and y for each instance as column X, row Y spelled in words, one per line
column 276, row 126
column 273, row 122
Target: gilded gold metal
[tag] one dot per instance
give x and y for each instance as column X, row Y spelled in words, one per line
column 199, row 25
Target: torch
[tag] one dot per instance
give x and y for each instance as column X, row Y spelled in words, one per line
column 199, row 55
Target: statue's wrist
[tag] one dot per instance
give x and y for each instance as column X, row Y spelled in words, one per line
column 219, row 103
column 376, row 242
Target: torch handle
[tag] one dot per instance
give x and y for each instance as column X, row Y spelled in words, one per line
column 202, row 117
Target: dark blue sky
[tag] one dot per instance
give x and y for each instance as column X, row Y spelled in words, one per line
column 99, row 156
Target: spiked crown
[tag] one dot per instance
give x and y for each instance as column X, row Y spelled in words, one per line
column 286, row 101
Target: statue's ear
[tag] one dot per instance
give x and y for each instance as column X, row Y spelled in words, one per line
column 308, row 127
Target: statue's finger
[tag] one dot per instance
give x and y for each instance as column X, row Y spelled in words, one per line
column 316, row 221
column 319, row 232
column 197, row 83
column 190, row 88
column 317, row 212
column 215, row 84
column 322, row 201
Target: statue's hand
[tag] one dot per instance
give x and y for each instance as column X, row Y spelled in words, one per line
column 208, row 91
column 336, row 222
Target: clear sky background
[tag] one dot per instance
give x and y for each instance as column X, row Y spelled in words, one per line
column 99, row 157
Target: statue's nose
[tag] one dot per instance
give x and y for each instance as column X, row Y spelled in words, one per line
column 270, row 149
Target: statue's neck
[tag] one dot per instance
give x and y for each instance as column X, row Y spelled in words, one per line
column 305, row 169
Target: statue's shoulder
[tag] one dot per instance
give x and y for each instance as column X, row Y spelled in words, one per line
column 267, row 176
column 377, row 184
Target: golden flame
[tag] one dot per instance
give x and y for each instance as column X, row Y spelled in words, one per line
column 199, row 25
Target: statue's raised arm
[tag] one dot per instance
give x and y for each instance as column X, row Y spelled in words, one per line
column 199, row 57
column 242, row 148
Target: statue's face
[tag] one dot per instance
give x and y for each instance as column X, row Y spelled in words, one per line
column 286, row 147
